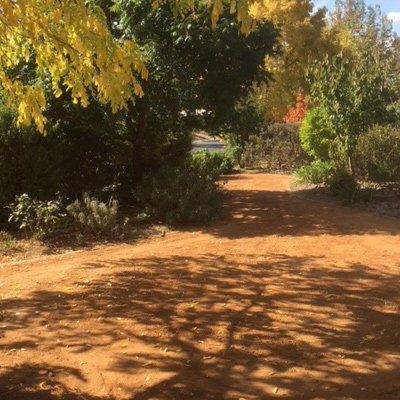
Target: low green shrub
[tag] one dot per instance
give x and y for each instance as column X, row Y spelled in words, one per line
column 215, row 163
column 277, row 148
column 90, row 215
column 186, row 194
column 317, row 173
column 344, row 186
column 7, row 242
column 41, row 218
column 378, row 154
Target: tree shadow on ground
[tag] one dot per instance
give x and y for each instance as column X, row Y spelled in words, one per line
column 258, row 213
column 209, row 327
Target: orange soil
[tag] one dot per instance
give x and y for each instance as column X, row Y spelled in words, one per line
column 283, row 298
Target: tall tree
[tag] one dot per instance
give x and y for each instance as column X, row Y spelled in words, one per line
column 304, row 37
column 361, row 28
column 365, row 30
column 197, row 74
column 71, row 46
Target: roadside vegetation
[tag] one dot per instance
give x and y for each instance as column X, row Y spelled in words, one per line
column 345, row 126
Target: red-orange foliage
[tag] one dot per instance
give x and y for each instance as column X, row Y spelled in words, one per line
column 296, row 114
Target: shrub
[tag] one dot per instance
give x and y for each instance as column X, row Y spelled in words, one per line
column 227, row 163
column 378, row 154
column 186, row 194
column 7, row 242
column 276, row 149
column 317, row 172
column 344, row 186
column 38, row 217
column 316, row 134
column 93, row 216
column 43, row 165
column 213, row 163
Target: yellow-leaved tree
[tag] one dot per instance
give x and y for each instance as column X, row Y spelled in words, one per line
column 304, row 37
column 71, row 48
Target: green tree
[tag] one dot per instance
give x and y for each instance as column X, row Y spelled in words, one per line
column 354, row 96
column 197, row 75
column 361, row 28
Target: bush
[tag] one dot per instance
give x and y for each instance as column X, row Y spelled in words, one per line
column 344, row 186
column 38, row 217
column 7, row 242
column 43, row 165
column 378, row 154
column 93, row 216
column 186, row 194
column 316, row 134
column 213, row 164
column 317, row 172
column 276, row 149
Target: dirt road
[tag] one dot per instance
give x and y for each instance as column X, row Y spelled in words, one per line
column 283, row 298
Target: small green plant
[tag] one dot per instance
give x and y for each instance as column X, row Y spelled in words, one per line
column 186, row 194
column 93, row 216
column 213, row 164
column 344, row 186
column 7, row 242
column 41, row 218
column 317, row 173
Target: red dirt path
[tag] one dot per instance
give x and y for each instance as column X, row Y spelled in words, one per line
column 283, row 298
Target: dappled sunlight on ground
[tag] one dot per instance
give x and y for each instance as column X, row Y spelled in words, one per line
column 282, row 299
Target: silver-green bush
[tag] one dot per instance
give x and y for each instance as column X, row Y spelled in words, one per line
column 93, row 216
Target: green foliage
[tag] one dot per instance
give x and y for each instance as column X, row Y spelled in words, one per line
column 82, row 151
column 192, row 68
column 362, row 28
column 316, row 134
column 246, row 120
column 213, row 163
column 41, row 218
column 354, row 95
column 344, row 186
column 378, row 154
column 277, row 148
column 227, row 161
column 93, row 216
column 188, row 194
column 317, row 172
column 7, row 242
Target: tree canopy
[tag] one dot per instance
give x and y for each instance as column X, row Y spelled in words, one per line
column 71, row 46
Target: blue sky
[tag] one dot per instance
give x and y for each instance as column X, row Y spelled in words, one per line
column 390, row 7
